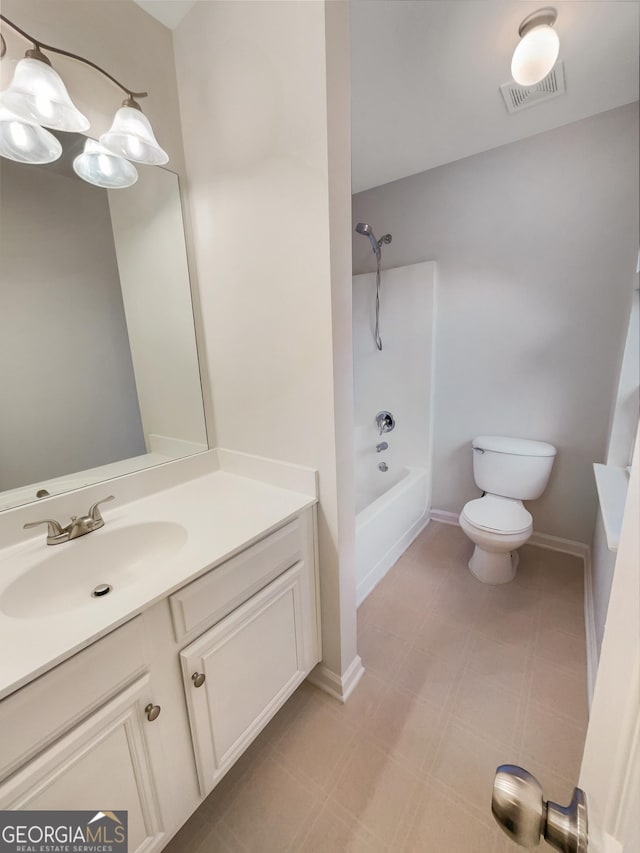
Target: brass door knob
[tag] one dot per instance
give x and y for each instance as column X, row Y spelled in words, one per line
column 198, row 678
column 152, row 712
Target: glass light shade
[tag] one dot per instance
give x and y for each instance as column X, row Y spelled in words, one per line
column 535, row 55
column 38, row 95
column 26, row 143
column 102, row 168
column 131, row 136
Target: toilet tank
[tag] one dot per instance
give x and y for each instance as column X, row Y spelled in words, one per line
column 512, row 467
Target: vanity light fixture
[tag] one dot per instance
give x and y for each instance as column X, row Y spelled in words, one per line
column 537, row 51
column 101, row 167
column 26, row 143
column 131, row 136
column 37, row 95
column 37, row 98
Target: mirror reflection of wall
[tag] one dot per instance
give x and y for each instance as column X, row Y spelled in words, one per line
column 100, row 362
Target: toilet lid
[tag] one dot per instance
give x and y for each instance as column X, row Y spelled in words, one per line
column 500, row 514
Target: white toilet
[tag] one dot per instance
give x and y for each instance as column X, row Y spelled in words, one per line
column 509, row 471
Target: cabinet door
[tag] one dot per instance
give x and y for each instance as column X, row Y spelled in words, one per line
column 101, row 764
column 252, row 661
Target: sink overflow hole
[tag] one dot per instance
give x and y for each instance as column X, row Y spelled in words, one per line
column 102, row 589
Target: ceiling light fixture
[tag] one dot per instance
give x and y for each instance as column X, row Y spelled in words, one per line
column 537, row 51
column 37, row 98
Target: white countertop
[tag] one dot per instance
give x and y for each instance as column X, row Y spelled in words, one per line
column 222, row 513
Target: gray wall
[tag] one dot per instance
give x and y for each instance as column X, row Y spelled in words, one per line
column 536, row 244
column 67, row 392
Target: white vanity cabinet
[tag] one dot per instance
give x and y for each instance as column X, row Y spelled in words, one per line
column 78, row 738
column 101, row 764
column 241, row 670
column 150, row 717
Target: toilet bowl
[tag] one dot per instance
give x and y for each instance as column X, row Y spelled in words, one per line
column 498, row 527
column 508, row 470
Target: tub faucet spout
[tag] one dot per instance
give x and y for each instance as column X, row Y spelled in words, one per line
column 382, row 446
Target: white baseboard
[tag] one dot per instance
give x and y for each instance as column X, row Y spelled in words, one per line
column 444, row 516
column 340, row 687
column 542, row 540
column 590, row 627
column 389, row 559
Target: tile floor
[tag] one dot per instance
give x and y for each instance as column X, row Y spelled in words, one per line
column 460, row 677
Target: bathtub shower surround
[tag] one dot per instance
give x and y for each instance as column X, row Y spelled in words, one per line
column 392, row 505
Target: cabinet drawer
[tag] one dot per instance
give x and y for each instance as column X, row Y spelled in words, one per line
column 208, row 599
column 249, row 664
column 39, row 712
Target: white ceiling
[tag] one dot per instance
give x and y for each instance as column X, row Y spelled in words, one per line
column 168, row 12
column 425, row 77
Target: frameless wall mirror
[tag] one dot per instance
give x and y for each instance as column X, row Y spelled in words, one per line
column 99, row 373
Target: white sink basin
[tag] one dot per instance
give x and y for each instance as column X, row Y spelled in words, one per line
column 63, row 578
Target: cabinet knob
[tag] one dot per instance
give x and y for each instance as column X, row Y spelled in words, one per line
column 198, row 678
column 152, row 712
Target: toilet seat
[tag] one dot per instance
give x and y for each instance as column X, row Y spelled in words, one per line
column 498, row 515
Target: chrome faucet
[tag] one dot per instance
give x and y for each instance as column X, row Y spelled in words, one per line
column 382, row 446
column 78, row 526
column 385, row 421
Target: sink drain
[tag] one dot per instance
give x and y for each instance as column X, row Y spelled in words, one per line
column 102, row 589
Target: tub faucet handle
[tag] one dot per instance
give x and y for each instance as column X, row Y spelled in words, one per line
column 385, row 421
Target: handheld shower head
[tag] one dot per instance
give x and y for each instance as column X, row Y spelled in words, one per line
column 367, row 230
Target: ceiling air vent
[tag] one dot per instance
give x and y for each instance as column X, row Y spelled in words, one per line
column 518, row 98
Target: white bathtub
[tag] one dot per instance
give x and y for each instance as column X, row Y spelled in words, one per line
column 392, row 509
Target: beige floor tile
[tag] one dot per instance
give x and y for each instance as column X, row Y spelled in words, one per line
column 438, row 633
column 442, row 825
column 381, row 653
column 363, row 701
column 315, row 743
column 440, row 702
column 430, row 676
column 564, row 575
column 553, row 741
column 531, row 570
column 513, row 627
column 398, row 618
column 466, row 763
column 375, row 789
column 216, row 842
column 407, row 727
column 492, row 711
column 441, row 547
column 411, row 585
column 564, row 650
column 501, row 663
column 195, row 832
column 461, row 600
column 563, row 613
column 269, row 808
column 335, row 830
column 560, row 691
column 512, row 597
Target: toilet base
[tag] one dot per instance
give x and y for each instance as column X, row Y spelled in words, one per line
column 493, row 568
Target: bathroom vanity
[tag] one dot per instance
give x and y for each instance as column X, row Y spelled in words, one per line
column 142, row 699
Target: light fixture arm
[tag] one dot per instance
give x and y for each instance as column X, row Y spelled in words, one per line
column 38, row 45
